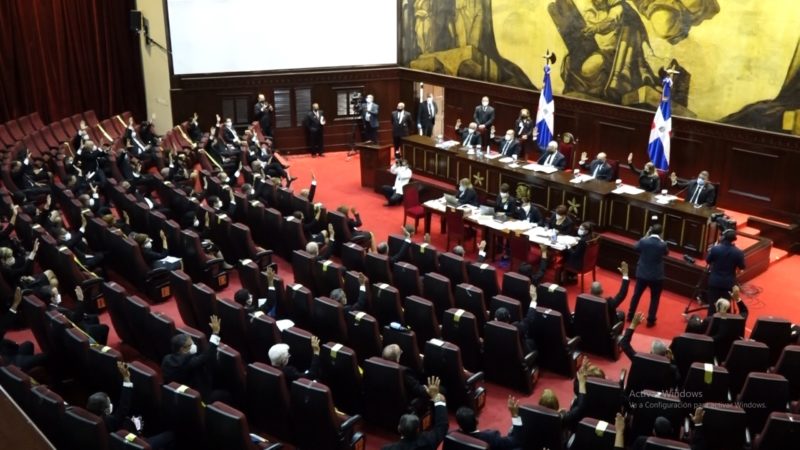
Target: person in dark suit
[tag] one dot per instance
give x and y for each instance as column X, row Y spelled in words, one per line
column 411, row 435
column 596, row 289
column 414, row 389
column 468, row 424
column 21, row 355
column 560, row 221
column 262, row 111
column 401, row 124
column 279, row 358
column 369, row 119
column 315, row 124
column 600, row 169
column 552, row 157
column 657, row 347
column 699, row 191
column 508, row 145
column 505, row 202
column 523, row 127
column 469, row 137
column 724, row 260
column 649, row 272
column 229, row 135
column 426, row 115
column 571, row 417
column 118, row 418
column 466, row 193
column 648, row 176
column 323, row 254
column 185, row 366
column 194, row 131
column 338, row 295
column 484, row 117
column 526, row 210
column 527, row 343
column 383, row 248
column 573, row 256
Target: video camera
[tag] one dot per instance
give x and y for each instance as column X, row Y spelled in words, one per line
column 722, row 221
column 355, row 102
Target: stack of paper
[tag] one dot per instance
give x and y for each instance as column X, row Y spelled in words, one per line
column 540, row 168
column 581, row 179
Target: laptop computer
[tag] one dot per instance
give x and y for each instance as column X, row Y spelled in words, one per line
column 486, row 210
column 450, row 200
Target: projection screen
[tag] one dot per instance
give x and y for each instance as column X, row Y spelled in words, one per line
column 218, row 36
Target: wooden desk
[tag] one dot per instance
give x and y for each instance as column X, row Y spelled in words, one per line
column 373, row 158
column 685, row 228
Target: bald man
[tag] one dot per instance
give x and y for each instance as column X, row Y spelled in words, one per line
column 600, row 169
column 401, row 124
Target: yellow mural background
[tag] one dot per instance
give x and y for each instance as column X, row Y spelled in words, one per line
column 739, row 56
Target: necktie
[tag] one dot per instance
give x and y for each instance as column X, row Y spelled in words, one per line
column 399, row 116
column 549, row 160
column 430, row 110
column 505, row 148
column 597, row 169
column 317, row 114
column 468, row 139
column 696, row 195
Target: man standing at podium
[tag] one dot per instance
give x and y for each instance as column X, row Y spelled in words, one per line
column 369, row 119
column 315, row 121
column 426, row 116
column 401, row 123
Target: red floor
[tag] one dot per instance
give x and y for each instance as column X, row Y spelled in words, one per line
column 776, row 292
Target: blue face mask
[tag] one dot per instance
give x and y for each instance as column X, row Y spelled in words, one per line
column 701, row 181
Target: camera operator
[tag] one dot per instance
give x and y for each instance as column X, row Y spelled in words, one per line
column 262, row 111
column 369, row 118
column 724, row 259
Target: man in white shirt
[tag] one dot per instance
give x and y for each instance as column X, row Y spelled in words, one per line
column 402, row 173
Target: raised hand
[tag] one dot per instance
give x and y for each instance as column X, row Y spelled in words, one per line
column 78, row 293
column 214, row 324
column 630, row 158
column 124, row 371
column 362, row 279
column 433, row 387
column 513, row 406
column 623, row 268
column 584, row 156
column 315, row 345
column 458, row 123
column 270, row 276
column 637, row 319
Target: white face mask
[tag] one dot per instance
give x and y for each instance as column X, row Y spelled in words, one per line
column 228, row 124
column 249, row 301
column 485, row 103
column 27, row 161
column 9, row 261
column 196, row 223
column 67, row 236
column 701, row 181
column 218, row 205
column 110, row 409
column 508, row 138
column 430, row 100
column 91, row 202
column 148, row 245
column 193, row 349
column 504, row 195
column 559, row 217
column 581, row 231
column 57, row 299
column 462, row 189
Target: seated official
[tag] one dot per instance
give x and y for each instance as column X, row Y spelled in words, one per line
column 414, row 389
column 505, row 203
column 88, row 323
column 338, row 295
column 658, row 347
column 526, row 210
column 411, row 435
column 156, row 258
column 699, row 191
column 20, row 355
column 523, row 326
column 251, row 306
column 469, row 137
column 360, row 237
column 402, row 175
column 537, row 275
column 600, row 169
column 185, row 366
column 313, row 248
column 649, row 179
column 571, row 417
column 17, row 267
column 279, row 358
column 552, row 157
column 383, row 247
column 662, row 428
column 613, row 302
column 468, row 424
column 507, row 145
column 119, row 418
column 466, row 193
column 560, row 221
column 573, row 256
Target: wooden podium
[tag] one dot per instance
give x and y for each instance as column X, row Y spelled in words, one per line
column 374, row 158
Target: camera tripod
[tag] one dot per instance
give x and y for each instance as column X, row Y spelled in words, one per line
column 698, row 294
column 353, row 150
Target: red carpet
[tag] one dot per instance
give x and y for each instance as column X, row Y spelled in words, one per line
column 776, row 292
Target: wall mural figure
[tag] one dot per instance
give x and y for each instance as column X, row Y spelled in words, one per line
column 781, row 114
column 456, row 37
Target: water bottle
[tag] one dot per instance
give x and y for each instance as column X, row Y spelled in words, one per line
column 554, row 237
column 479, row 152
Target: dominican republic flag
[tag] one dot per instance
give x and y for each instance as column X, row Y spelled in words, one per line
column 544, row 115
column 661, row 130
